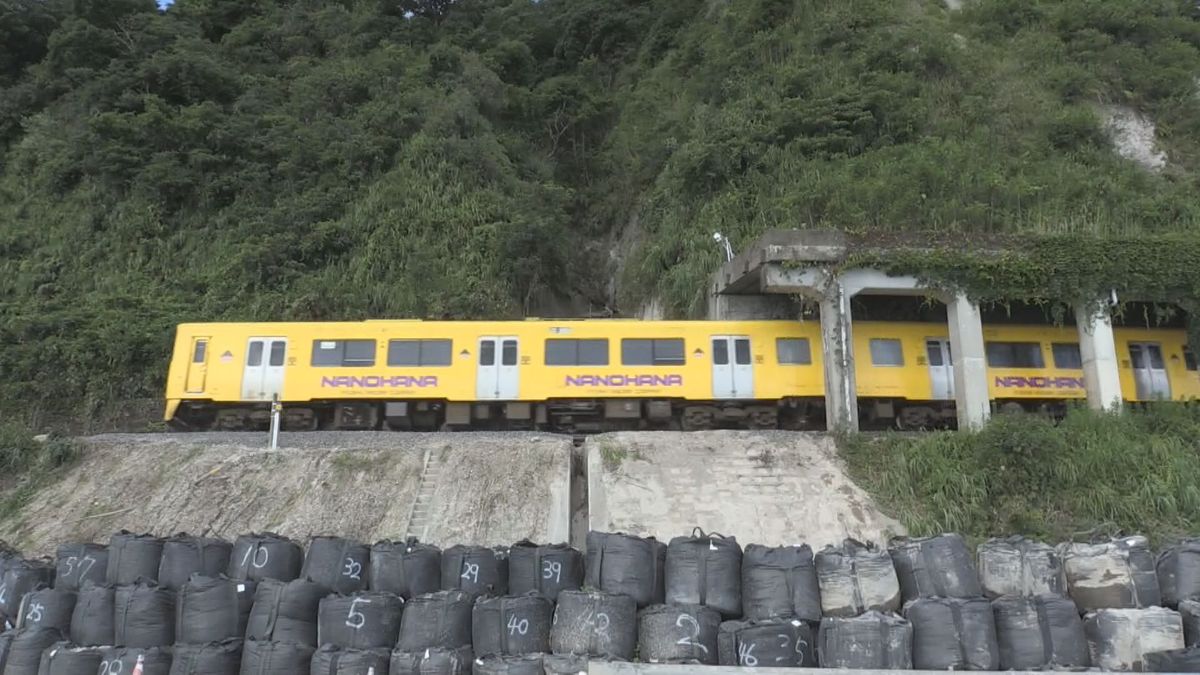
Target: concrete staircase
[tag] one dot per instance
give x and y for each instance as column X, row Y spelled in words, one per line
column 421, row 517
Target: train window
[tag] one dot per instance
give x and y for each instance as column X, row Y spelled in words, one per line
column 720, row 352
column 254, row 356
column 487, row 353
column 419, row 352
column 741, row 352
column 1015, row 355
column 343, row 353
column 278, row 348
column 1066, row 355
column 657, row 352
column 566, row 352
column 1189, row 359
column 886, row 352
column 199, row 352
column 508, row 353
column 793, row 351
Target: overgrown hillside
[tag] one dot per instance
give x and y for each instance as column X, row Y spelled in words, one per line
column 305, row 159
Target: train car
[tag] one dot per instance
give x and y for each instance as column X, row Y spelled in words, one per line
column 590, row 375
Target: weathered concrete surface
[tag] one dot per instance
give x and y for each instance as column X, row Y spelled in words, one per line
column 765, row 487
column 493, row 488
column 608, row 668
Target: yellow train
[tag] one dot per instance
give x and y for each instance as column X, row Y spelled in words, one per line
column 584, row 375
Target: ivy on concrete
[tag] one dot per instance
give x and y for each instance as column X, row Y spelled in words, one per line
column 1059, row 272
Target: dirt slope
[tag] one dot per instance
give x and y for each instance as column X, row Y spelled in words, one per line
column 491, row 488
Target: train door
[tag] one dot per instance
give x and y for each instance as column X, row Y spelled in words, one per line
column 941, row 368
column 262, row 379
column 197, row 371
column 1149, row 371
column 732, row 372
column 497, row 377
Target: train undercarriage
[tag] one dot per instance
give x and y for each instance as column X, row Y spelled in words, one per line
column 581, row 415
column 560, row 415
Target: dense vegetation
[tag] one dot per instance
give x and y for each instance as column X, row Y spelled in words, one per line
column 319, row 159
column 1092, row 474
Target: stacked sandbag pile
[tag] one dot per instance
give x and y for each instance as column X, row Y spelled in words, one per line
column 190, row 605
column 1037, row 625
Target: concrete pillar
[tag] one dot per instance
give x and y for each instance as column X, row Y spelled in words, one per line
column 970, row 363
column 1099, row 351
column 837, row 341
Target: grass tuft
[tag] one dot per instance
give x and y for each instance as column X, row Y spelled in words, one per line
column 1091, row 473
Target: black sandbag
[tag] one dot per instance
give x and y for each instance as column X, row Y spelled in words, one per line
column 595, row 624
column 21, row 577
column 338, row 565
column 209, row 609
column 143, row 615
column 705, row 569
column 364, row 620
column 1020, row 566
column 546, row 569
column 24, row 654
column 275, row 658
column 871, row 641
column 1173, row 661
column 1044, row 631
column 939, row 566
column 511, row 625
column 331, row 660
column 47, row 608
column 475, row 569
column 285, row 611
column 1117, row 574
column 436, row 620
column 627, row 565
column 79, row 563
column 780, row 582
column 953, row 634
column 123, row 660
column 855, row 578
column 678, row 634
column 265, row 556
column 564, row 664
column 436, row 661
column 1189, row 612
column 1119, row 639
column 526, row 664
column 92, row 618
column 132, row 557
column 214, row 658
column 1178, row 570
column 774, row 643
column 184, row 555
column 406, row 568
column 64, row 658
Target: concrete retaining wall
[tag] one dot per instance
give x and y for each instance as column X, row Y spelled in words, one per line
column 489, row 488
column 765, row 487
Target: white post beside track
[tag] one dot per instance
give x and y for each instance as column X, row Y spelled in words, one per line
column 276, row 408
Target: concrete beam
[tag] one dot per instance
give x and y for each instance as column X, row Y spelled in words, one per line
column 1099, row 351
column 880, row 283
column 971, row 399
column 837, row 341
column 741, row 275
